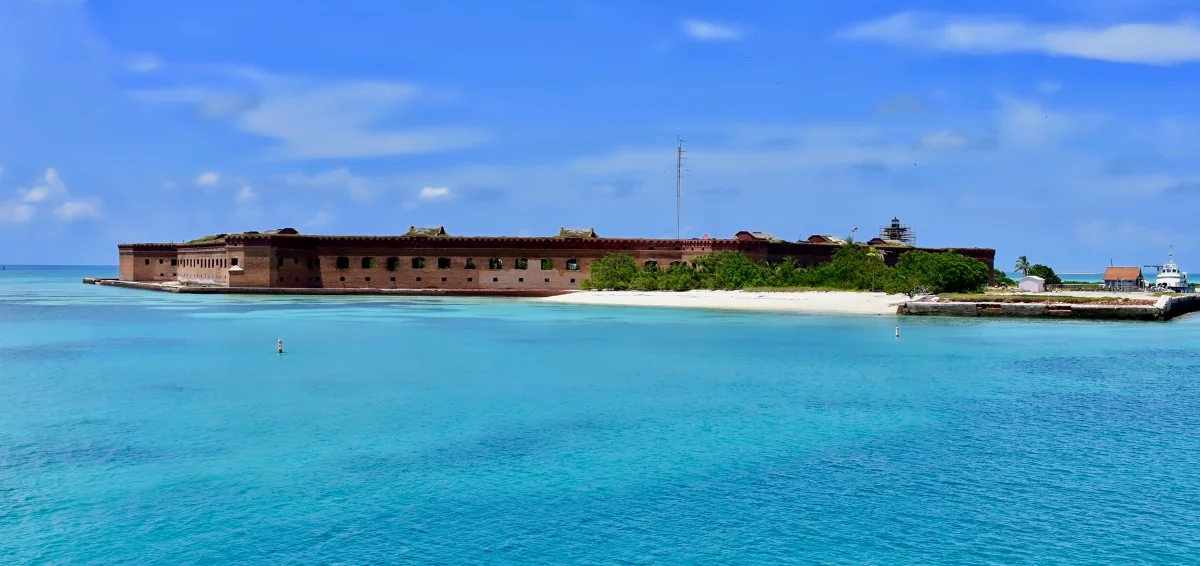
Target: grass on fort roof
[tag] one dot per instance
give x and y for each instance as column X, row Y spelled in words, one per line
column 204, row 239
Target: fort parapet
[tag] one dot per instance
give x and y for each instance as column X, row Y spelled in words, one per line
column 430, row 259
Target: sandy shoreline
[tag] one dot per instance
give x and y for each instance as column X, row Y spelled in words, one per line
column 842, row 302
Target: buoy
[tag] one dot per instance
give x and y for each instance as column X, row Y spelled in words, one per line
column 279, row 344
column 897, row 335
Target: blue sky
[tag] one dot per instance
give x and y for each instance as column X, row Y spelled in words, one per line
column 1062, row 129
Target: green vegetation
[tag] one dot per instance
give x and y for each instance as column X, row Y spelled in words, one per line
column 1022, row 265
column 205, row 239
column 1046, row 273
column 946, row 272
column 1003, row 279
column 852, row 268
column 577, row 233
column 425, row 232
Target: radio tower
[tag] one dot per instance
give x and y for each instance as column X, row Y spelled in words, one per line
column 678, row 180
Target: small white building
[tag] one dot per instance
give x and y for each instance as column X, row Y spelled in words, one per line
column 1032, row 284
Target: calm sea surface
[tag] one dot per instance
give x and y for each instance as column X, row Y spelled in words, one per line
column 143, row 428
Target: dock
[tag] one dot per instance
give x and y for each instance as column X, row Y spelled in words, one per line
column 1163, row 308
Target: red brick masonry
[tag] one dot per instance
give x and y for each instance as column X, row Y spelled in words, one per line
column 473, row 264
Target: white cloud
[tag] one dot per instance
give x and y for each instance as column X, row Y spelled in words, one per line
column 71, row 211
column 16, row 212
column 1141, row 43
column 945, row 139
column 435, row 193
column 245, row 195
column 207, row 179
column 341, row 178
column 53, row 187
column 35, row 194
column 710, row 31
column 1049, row 87
column 322, row 119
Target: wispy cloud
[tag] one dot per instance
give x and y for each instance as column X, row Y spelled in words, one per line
column 245, row 195
column 1141, row 43
column 1048, row 87
column 320, row 119
column 16, row 212
column 207, row 179
column 321, row 218
column 144, row 63
column 944, row 139
column 901, row 105
column 48, row 190
column 73, row 210
column 702, row 30
column 435, row 193
column 358, row 187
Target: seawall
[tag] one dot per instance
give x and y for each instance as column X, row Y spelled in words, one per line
column 1165, row 308
column 212, row 290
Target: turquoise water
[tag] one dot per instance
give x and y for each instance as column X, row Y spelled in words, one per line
column 142, row 428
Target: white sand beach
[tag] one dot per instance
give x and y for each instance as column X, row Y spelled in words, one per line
column 844, row 302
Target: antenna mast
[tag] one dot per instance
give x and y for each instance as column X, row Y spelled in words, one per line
column 678, row 181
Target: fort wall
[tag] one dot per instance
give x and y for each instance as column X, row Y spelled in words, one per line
column 440, row 262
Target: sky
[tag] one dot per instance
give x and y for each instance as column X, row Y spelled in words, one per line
column 1064, row 130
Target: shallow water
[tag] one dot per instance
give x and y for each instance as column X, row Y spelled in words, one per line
column 143, row 427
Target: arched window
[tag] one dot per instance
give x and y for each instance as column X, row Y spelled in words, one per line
column 443, row 263
column 368, row 262
column 522, row 263
column 572, row 264
column 393, row 263
column 547, row 264
column 343, row 262
column 147, row 262
column 495, row 263
column 470, row 263
column 650, row 265
column 418, row 263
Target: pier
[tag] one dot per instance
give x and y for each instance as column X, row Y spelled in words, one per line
column 1162, row 308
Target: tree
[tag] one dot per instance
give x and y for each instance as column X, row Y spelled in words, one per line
column 945, row 272
column 613, row 271
column 1046, row 273
column 730, row 270
column 1003, row 279
column 1022, row 265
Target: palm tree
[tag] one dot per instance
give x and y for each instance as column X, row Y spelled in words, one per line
column 1022, row 265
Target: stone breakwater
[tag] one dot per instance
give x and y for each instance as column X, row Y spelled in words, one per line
column 1164, row 308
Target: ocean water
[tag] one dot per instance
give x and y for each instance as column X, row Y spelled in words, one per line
column 144, row 428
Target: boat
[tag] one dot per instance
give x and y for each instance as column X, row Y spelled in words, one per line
column 1170, row 278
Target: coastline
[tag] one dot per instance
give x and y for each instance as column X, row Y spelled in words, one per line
column 832, row 302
